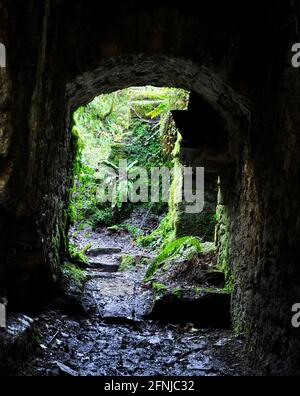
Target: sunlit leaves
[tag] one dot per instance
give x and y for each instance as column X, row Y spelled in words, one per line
column 137, row 120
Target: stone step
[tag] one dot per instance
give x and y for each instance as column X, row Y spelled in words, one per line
column 94, row 252
column 104, row 267
column 208, row 308
column 117, row 298
column 211, row 277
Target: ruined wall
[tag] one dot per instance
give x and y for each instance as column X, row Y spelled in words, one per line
column 200, row 224
column 35, row 154
column 265, row 222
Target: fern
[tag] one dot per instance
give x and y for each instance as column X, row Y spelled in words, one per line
column 78, row 256
column 182, row 248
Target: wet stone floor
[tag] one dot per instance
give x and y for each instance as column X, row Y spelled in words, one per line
column 82, row 346
column 111, row 337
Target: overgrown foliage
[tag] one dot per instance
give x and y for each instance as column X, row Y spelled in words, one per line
column 159, row 288
column 78, row 256
column 161, row 236
column 184, row 248
column 133, row 124
column 167, row 230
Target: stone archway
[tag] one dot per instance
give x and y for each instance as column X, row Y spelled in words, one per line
column 121, row 72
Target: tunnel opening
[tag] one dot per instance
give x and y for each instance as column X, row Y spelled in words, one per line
column 135, row 126
column 131, row 207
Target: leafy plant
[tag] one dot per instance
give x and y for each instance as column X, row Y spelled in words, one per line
column 120, row 187
column 183, row 248
column 164, row 233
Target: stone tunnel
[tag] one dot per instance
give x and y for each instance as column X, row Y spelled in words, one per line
column 242, row 126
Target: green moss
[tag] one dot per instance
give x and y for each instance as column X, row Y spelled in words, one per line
column 167, row 230
column 71, row 213
column 177, row 292
column 114, row 229
column 145, row 261
column 78, row 256
column 177, row 147
column 127, row 263
column 71, row 272
column 86, row 247
column 159, row 288
column 224, row 246
column 208, row 247
column 164, row 234
column 36, row 337
column 215, row 290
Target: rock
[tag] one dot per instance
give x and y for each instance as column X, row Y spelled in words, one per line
column 213, row 278
column 70, row 304
column 105, row 267
column 65, row 370
column 117, row 298
column 103, row 250
column 16, row 342
column 208, row 309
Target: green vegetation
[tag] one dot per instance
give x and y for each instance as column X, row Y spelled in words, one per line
column 135, row 125
column 177, row 292
column 168, row 229
column 159, row 288
column 130, row 262
column 114, row 229
column 184, row 248
column 78, row 256
column 127, row 263
column 224, row 246
column 164, row 234
column 134, row 231
column 71, row 272
column 208, row 247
